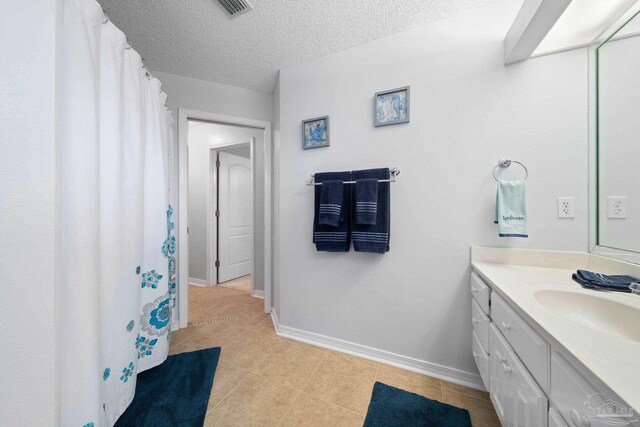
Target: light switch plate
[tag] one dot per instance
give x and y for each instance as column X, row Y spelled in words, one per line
column 617, row 207
column 566, row 207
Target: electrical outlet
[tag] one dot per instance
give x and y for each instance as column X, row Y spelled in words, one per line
column 617, row 207
column 566, row 207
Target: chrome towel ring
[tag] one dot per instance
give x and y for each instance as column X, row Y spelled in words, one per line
column 505, row 163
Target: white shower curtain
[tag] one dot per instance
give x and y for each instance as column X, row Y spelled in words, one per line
column 115, row 247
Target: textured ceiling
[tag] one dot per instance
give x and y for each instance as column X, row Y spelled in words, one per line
column 195, row 38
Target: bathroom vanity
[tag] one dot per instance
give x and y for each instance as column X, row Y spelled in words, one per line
column 550, row 352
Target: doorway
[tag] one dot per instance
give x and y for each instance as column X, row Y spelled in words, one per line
column 225, row 213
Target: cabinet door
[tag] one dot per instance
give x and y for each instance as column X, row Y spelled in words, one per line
column 555, row 419
column 579, row 401
column 482, row 358
column 501, row 385
column 529, row 404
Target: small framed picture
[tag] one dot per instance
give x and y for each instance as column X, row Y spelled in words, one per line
column 392, row 107
column 315, row 132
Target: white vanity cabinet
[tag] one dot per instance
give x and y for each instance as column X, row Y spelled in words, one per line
column 531, row 383
column 516, row 396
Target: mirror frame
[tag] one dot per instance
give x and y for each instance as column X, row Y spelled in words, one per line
column 594, row 247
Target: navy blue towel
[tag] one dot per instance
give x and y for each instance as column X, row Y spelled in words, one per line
column 326, row 237
column 331, row 192
column 366, row 201
column 374, row 238
column 603, row 282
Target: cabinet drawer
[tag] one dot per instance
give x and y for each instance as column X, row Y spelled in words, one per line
column 530, row 347
column 481, row 357
column 576, row 399
column 480, row 323
column 555, row 419
column 481, row 292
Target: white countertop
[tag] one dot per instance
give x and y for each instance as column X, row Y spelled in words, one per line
column 613, row 359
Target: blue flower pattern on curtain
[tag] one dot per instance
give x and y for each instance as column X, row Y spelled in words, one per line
column 127, row 372
column 150, row 279
column 168, row 250
column 145, row 346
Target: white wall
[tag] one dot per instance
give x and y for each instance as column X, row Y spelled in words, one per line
column 213, row 97
column 27, row 213
column 619, row 139
column 240, row 150
column 467, row 111
column 201, row 137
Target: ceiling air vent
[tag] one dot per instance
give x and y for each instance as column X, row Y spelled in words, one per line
column 235, row 7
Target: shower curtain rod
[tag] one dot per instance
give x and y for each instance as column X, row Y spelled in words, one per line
column 144, row 65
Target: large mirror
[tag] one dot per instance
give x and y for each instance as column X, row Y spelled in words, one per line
column 617, row 178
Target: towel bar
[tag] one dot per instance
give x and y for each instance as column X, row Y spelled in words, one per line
column 394, row 172
column 505, row 163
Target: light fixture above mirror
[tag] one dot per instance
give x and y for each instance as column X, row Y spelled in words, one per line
column 547, row 26
column 581, row 23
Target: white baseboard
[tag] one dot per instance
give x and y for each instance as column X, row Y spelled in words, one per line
column 198, row 282
column 467, row 379
column 276, row 321
column 258, row 294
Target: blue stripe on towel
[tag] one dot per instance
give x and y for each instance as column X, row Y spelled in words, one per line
column 372, row 233
column 371, row 239
column 371, row 207
column 330, row 208
column 362, row 236
column 330, row 237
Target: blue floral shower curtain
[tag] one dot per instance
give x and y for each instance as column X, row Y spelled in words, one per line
column 115, row 247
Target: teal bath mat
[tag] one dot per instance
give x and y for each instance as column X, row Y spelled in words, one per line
column 391, row 406
column 175, row 393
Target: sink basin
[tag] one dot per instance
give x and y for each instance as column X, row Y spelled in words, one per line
column 593, row 311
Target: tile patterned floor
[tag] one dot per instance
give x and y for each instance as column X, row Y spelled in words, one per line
column 241, row 283
column 266, row 380
column 216, row 303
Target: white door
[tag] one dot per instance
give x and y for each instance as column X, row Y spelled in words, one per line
column 235, row 232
